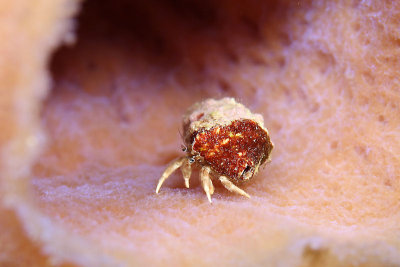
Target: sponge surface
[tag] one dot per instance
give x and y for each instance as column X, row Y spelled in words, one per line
column 324, row 75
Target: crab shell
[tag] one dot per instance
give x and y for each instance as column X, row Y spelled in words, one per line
column 225, row 136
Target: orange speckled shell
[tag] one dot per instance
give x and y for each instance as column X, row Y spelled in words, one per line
column 227, row 137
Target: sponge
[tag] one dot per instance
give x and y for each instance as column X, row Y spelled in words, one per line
column 81, row 155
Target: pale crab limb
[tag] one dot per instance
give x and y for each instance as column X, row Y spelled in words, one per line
column 186, row 171
column 211, row 187
column 210, row 184
column 169, row 170
column 206, row 182
column 231, row 187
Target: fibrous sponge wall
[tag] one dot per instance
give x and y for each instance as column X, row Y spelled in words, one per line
column 324, row 75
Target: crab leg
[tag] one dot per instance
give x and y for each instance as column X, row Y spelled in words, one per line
column 231, row 187
column 206, row 182
column 186, row 171
column 169, row 170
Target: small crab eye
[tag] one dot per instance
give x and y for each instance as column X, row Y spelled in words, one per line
column 184, row 149
column 247, row 173
column 191, row 160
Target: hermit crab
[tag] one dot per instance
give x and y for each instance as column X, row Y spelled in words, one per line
column 226, row 141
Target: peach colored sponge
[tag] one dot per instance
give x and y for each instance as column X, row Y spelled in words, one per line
column 86, row 132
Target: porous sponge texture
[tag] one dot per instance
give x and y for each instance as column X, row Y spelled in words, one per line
column 324, row 75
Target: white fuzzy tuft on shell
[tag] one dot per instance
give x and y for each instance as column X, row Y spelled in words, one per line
column 211, row 112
